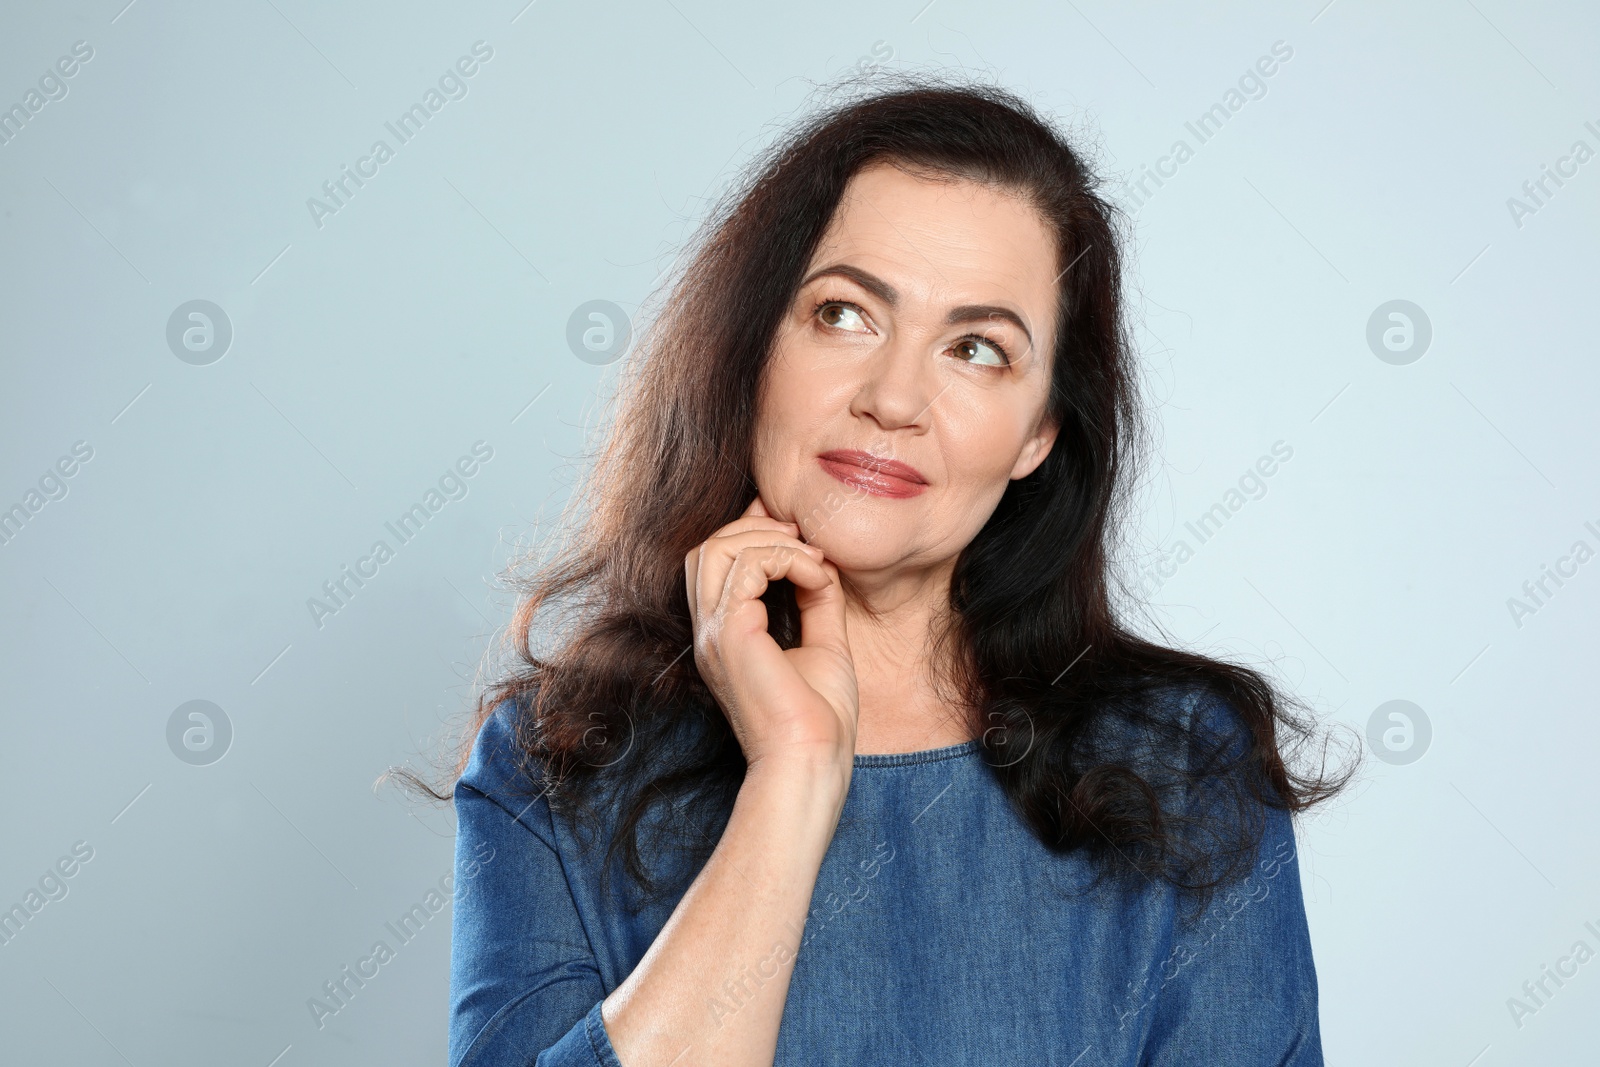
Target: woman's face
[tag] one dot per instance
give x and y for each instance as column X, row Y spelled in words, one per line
column 921, row 336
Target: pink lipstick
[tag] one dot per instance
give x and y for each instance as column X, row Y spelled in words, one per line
column 873, row 474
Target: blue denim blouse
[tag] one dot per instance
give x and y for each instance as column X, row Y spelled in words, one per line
column 938, row 934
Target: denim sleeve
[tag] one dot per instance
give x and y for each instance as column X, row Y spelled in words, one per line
column 525, row 988
column 1239, row 986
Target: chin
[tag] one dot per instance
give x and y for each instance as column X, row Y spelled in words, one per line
column 859, row 536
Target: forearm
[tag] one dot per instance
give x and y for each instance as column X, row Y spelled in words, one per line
column 711, row 988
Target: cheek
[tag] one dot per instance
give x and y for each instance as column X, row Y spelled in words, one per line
column 981, row 444
column 799, row 402
column 780, row 385
column 779, row 430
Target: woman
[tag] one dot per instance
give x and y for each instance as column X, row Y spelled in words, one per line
column 916, row 796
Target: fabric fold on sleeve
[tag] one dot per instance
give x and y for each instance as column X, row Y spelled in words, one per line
column 1240, row 985
column 525, row 985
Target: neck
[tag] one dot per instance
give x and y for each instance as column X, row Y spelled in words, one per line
column 890, row 622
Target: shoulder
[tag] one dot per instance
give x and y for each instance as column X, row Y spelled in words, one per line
column 1217, row 737
column 1225, row 806
column 498, row 767
column 1170, row 728
column 1195, row 707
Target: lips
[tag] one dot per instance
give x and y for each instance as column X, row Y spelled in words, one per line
column 873, row 474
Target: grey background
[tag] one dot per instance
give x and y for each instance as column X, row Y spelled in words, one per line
column 431, row 312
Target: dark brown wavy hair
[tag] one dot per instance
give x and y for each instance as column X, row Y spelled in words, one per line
column 1076, row 714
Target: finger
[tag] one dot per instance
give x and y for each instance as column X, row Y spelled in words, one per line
column 691, row 560
column 822, row 619
column 747, row 524
column 756, row 522
column 717, row 555
column 757, row 509
column 756, row 567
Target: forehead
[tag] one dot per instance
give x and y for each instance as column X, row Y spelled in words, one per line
column 945, row 240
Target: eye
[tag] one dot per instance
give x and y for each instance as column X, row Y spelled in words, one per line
column 972, row 342
column 837, row 313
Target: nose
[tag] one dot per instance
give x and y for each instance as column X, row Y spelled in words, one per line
column 898, row 386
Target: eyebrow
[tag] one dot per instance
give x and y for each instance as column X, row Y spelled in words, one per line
column 959, row 315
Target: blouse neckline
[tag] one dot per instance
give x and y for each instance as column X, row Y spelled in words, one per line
column 927, row 755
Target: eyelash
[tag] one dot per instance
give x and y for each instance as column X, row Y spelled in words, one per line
column 996, row 345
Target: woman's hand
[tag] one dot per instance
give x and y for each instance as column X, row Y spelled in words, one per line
column 799, row 703
column 794, row 713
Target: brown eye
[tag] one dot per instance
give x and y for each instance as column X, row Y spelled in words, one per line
column 975, row 345
column 838, row 313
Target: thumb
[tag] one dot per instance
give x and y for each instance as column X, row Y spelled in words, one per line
column 822, row 618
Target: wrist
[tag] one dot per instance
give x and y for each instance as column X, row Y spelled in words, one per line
column 802, row 779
